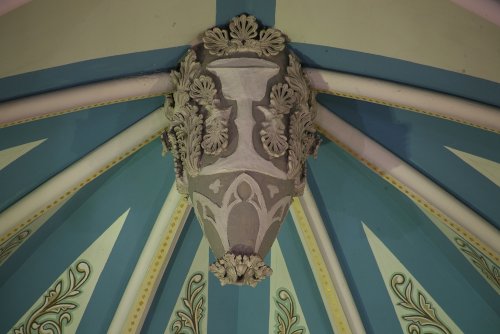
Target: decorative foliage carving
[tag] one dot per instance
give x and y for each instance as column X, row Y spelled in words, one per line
column 492, row 273
column 55, row 312
column 240, row 269
column 286, row 316
column 243, row 33
column 10, row 245
column 422, row 313
column 272, row 135
column 184, row 137
column 303, row 138
column 194, row 300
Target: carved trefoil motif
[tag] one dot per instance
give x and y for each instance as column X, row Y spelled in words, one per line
column 240, row 131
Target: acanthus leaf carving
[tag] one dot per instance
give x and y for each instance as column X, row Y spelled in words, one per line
column 243, row 33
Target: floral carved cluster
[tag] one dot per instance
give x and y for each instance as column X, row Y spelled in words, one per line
column 58, row 303
column 420, row 311
column 189, row 320
column 240, row 269
column 243, row 33
column 188, row 134
column 293, row 97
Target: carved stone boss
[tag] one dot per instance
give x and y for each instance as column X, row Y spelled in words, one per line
column 240, row 131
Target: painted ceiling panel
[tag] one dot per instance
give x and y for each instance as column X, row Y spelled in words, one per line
column 348, row 195
column 138, row 186
column 44, row 34
column 232, row 309
column 421, row 141
column 434, row 33
column 67, row 138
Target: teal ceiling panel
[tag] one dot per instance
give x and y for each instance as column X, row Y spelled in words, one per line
column 421, row 141
column 139, row 185
column 61, row 141
column 348, row 195
column 263, row 10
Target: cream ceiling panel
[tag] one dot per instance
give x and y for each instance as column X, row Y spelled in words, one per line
column 431, row 32
column 49, row 33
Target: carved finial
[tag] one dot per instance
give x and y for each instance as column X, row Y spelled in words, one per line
column 243, row 33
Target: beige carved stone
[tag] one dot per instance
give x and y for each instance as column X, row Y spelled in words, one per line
column 240, row 131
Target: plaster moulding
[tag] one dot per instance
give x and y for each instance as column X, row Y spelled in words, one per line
column 240, row 128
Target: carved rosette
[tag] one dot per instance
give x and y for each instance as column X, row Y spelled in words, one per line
column 240, row 131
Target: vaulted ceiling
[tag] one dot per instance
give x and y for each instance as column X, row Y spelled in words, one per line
column 396, row 232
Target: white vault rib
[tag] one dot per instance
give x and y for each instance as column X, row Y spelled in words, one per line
column 393, row 166
column 432, row 103
column 415, row 99
column 81, row 97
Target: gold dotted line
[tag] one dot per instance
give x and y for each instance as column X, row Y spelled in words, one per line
column 412, row 195
column 79, row 186
column 70, row 110
column 154, row 270
column 321, row 270
column 400, row 106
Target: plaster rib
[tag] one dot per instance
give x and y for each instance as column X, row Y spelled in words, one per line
column 328, row 290
column 454, row 213
column 73, row 178
column 83, row 97
column 156, row 236
column 405, row 97
column 332, row 264
column 330, row 82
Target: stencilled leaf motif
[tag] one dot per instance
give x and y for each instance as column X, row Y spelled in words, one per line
column 191, row 316
column 286, row 317
column 11, row 244
column 422, row 314
column 490, row 270
column 53, row 315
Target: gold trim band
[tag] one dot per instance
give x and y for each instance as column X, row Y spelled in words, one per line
column 319, row 269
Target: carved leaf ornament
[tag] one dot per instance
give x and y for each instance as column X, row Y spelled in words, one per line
column 225, row 121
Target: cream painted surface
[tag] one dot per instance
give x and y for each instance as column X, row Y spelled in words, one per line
column 11, row 154
column 50, row 33
column 96, row 256
column 431, row 32
column 281, row 279
column 490, row 169
column 388, row 264
column 199, row 265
